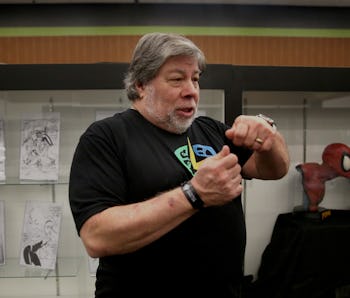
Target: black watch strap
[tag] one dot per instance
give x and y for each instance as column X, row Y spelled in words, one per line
column 191, row 195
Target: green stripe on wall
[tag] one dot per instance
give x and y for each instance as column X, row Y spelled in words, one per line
column 139, row 30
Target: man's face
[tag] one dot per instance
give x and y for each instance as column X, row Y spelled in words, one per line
column 170, row 100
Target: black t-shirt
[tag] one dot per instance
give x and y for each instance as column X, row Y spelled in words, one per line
column 125, row 159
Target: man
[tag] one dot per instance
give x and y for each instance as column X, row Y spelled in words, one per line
column 155, row 192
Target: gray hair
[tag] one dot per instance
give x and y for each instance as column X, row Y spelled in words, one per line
column 151, row 52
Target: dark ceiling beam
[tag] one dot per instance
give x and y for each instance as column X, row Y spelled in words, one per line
column 136, row 14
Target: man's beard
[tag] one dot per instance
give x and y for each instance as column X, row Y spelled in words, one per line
column 178, row 124
column 170, row 122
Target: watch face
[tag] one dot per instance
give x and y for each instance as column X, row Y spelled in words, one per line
column 186, row 187
column 268, row 120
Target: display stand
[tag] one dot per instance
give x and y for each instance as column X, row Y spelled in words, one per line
column 305, row 258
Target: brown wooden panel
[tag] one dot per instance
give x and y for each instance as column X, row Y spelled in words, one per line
column 276, row 51
column 238, row 50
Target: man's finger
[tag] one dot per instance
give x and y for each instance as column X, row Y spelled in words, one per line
column 223, row 152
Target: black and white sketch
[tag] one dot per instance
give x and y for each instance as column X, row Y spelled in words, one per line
column 39, row 241
column 40, row 147
column 2, row 151
column 2, row 233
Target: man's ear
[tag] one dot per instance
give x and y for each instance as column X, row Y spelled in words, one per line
column 140, row 89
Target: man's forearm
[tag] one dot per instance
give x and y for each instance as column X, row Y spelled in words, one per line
column 273, row 164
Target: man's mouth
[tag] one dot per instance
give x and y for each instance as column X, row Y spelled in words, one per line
column 186, row 112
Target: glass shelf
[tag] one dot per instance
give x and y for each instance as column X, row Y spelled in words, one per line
column 17, row 181
column 66, row 267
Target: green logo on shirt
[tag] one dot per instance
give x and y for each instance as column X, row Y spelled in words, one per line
column 191, row 156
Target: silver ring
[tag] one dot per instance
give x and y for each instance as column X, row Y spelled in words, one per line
column 258, row 140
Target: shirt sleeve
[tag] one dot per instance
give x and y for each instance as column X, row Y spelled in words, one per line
column 96, row 178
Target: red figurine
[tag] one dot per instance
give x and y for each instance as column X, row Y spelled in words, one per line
column 336, row 162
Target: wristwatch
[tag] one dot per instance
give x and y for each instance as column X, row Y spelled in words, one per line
column 191, row 195
column 268, row 120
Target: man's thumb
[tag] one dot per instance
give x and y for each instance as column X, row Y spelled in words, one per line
column 224, row 152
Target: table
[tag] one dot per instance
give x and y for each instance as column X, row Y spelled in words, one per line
column 305, row 258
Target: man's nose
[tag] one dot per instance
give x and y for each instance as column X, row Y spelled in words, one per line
column 190, row 88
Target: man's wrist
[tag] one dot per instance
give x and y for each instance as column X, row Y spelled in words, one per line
column 191, row 195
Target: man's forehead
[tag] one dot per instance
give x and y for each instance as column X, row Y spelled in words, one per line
column 183, row 67
column 182, row 70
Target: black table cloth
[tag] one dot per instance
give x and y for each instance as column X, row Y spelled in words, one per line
column 305, row 258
